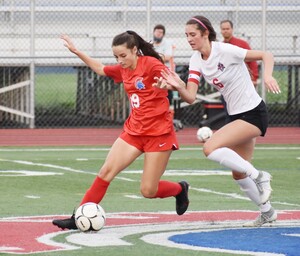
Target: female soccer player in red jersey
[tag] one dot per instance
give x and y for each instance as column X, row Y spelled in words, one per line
column 223, row 66
column 148, row 129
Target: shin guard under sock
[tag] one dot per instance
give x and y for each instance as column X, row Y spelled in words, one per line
column 96, row 192
column 230, row 159
column 167, row 189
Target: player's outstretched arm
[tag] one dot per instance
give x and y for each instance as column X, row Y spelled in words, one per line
column 94, row 64
column 172, row 81
column 270, row 82
column 268, row 62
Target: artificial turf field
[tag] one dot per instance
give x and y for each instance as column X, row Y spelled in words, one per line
column 40, row 183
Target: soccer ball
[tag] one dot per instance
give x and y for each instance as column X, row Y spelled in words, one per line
column 204, row 133
column 90, row 217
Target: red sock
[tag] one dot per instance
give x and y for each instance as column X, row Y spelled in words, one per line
column 167, row 189
column 96, row 192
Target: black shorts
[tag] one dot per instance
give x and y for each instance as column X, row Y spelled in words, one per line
column 257, row 116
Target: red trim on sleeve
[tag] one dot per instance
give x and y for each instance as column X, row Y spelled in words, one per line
column 193, row 80
column 194, row 72
column 194, row 76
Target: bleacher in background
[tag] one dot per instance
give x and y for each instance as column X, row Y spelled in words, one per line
column 30, row 32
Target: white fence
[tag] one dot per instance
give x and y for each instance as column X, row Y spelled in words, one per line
column 30, row 30
column 37, row 25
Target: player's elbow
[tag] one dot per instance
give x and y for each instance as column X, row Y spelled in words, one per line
column 193, row 100
column 190, row 100
column 187, row 98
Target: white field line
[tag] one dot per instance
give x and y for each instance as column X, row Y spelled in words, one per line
column 236, row 196
column 231, row 195
column 190, row 172
column 47, row 165
column 62, row 149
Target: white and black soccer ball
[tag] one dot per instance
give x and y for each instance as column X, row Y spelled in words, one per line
column 204, row 133
column 90, row 217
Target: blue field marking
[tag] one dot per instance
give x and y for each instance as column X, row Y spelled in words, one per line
column 283, row 240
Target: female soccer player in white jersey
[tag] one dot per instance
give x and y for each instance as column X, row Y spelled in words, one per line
column 223, row 66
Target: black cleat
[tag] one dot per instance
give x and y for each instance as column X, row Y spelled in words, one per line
column 182, row 200
column 66, row 223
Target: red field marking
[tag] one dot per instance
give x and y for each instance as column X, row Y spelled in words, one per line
column 20, row 235
column 210, row 216
column 101, row 137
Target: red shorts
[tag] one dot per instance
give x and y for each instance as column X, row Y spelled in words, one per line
column 152, row 143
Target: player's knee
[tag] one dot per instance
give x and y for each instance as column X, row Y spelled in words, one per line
column 208, row 148
column 238, row 175
column 148, row 192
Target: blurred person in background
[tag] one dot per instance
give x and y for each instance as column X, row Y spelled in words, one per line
column 165, row 48
column 162, row 45
column 226, row 27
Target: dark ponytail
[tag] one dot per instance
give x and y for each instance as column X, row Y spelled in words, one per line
column 132, row 39
column 204, row 24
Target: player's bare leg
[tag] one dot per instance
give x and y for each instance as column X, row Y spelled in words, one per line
column 112, row 166
column 152, row 187
column 249, row 187
column 219, row 149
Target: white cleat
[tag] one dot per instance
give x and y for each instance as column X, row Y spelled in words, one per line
column 263, row 218
column 263, row 183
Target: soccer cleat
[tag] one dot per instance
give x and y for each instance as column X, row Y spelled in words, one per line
column 263, row 218
column 182, row 200
column 263, row 183
column 66, row 223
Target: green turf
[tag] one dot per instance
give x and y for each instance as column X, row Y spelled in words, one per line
column 55, row 89
column 59, row 194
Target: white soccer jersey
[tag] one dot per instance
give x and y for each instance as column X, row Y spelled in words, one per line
column 226, row 70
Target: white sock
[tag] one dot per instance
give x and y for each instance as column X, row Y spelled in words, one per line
column 249, row 187
column 265, row 207
column 233, row 161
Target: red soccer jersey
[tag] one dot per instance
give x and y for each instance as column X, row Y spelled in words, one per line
column 150, row 113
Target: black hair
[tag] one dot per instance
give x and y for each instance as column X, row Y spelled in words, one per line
column 132, row 39
column 225, row 21
column 207, row 26
column 160, row 26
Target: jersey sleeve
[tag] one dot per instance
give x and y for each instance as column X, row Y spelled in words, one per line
column 194, row 70
column 114, row 72
column 156, row 67
column 234, row 53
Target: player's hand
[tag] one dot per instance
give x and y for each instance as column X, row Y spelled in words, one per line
column 161, row 83
column 172, row 79
column 68, row 43
column 272, row 85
